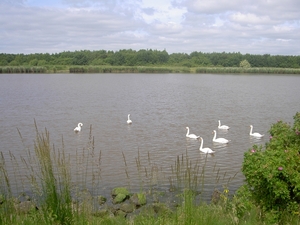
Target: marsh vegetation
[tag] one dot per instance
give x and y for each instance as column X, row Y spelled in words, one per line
column 148, row 61
column 58, row 197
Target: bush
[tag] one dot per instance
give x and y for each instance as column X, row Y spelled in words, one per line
column 273, row 173
column 245, row 64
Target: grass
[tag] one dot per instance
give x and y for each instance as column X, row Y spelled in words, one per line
column 146, row 69
column 56, row 198
column 251, row 70
column 23, row 69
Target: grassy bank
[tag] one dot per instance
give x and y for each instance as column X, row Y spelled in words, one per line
column 54, row 197
column 251, row 70
column 147, row 69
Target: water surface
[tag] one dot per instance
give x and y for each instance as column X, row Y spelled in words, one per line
column 161, row 106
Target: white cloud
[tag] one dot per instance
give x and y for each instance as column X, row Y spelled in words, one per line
column 212, row 6
column 257, row 26
column 249, row 18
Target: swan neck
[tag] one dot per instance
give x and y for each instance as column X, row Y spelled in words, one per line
column 201, row 145
column 251, row 130
column 215, row 135
column 188, row 131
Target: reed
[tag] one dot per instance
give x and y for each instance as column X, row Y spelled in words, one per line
column 188, row 175
column 51, row 181
column 126, row 170
column 147, row 171
column 251, row 70
column 55, row 180
column 23, row 69
column 6, row 203
column 146, row 69
column 127, row 69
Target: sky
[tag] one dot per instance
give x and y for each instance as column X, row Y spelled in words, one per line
column 177, row 26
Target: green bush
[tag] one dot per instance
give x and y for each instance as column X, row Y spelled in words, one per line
column 273, row 172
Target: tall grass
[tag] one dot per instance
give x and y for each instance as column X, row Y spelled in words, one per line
column 53, row 185
column 23, row 69
column 127, row 69
column 146, row 69
column 251, row 70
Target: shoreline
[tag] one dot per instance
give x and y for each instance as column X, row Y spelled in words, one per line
column 145, row 69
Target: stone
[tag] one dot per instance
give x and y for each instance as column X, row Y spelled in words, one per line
column 119, row 198
column 138, row 199
column 216, row 196
column 101, row 199
column 127, row 207
column 119, row 190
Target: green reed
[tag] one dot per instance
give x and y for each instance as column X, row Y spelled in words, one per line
column 146, row 69
column 23, row 69
column 126, row 69
column 251, row 70
column 48, row 171
column 55, row 180
column 126, row 170
column 187, row 174
column 147, row 171
column 4, row 180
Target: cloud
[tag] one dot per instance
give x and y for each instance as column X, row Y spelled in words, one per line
column 257, row 26
column 249, row 18
column 212, row 6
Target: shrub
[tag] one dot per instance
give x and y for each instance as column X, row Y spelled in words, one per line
column 273, row 173
column 245, row 64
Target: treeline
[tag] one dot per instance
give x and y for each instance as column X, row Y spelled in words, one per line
column 145, row 58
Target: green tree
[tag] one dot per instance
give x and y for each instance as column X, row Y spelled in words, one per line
column 80, row 58
column 3, row 62
column 33, row 62
column 245, row 64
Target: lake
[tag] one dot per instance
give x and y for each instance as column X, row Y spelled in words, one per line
column 161, row 107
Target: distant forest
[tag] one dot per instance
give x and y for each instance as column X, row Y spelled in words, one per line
column 147, row 58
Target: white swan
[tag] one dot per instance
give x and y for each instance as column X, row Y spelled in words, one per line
column 193, row 136
column 204, row 150
column 258, row 135
column 78, row 128
column 224, row 127
column 219, row 140
column 129, row 120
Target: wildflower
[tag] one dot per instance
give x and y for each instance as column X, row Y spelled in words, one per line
column 271, row 137
column 280, row 168
column 253, row 150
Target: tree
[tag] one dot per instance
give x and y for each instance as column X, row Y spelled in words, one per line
column 245, row 64
column 80, row 58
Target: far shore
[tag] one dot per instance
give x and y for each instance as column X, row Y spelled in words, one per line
column 146, row 69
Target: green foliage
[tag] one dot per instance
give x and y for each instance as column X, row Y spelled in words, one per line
column 119, row 194
column 156, row 58
column 120, row 190
column 23, row 69
column 271, row 195
column 142, row 198
column 245, row 64
column 273, row 173
column 56, row 200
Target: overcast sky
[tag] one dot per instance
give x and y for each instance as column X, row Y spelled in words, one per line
column 177, row 26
